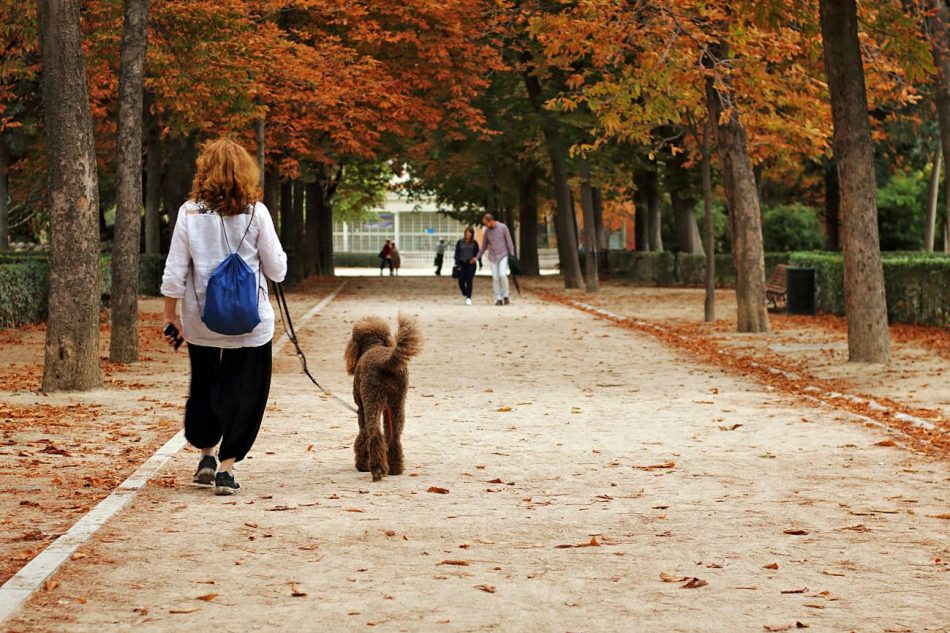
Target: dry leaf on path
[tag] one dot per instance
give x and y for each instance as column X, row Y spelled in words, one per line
column 802, row 590
column 694, row 583
column 945, row 516
column 486, row 588
column 795, row 532
column 295, row 591
column 181, row 611
column 49, row 585
column 729, row 428
column 591, row 543
column 437, row 490
column 770, row 566
column 458, row 563
column 886, row 443
column 663, row 466
column 665, row 577
column 208, row 597
column 503, row 409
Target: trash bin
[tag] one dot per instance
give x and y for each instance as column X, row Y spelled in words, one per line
column 800, row 289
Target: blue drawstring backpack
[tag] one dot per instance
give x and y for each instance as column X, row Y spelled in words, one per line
column 231, row 300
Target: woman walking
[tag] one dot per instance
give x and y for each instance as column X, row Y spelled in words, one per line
column 465, row 251
column 397, row 259
column 230, row 373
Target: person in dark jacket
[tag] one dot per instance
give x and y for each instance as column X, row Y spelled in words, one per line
column 466, row 249
column 386, row 258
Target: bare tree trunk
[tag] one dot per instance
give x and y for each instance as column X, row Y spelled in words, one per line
column 259, row 137
column 153, row 188
column 296, row 227
column 592, row 283
column 933, row 195
column 312, row 232
column 286, row 209
column 868, row 335
column 124, row 341
column 708, row 226
column 271, row 189
column 528, row 200
column 603, row 244
column 72, row 336
column 655, row 231
column 684, row 206
column 939, row 34
column 182, row 152
column 743, row 200
column 646, row 201
column 564, row 217
column 832, row 207
column 4, row 199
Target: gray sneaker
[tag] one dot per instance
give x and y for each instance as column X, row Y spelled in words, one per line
column 207, row 467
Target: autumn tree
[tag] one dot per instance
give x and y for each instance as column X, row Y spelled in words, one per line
column 123, row 345
column 868, row 335
column 72, row 336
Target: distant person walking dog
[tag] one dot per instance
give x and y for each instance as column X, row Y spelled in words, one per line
column 230, row 373
column 439, row 257
column 499, row 245
column 466, row 250
column 386, row 258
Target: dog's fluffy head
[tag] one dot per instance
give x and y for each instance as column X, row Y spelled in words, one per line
column 367, row 332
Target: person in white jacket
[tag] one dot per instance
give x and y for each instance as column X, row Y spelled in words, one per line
column 230, row 374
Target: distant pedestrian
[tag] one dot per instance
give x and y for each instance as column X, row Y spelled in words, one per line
column 466, row 250
column 230, row 373
column 499, row 245
column 439, row 257
column 396, row 258
column 386, row 258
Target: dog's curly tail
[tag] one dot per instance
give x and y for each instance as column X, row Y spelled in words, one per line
column 408, row 341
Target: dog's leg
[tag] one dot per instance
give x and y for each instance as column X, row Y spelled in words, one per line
column 397, row 419
column 375, row 447
column 360, row 448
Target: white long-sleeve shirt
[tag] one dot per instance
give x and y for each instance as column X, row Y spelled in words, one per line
column 199, row 240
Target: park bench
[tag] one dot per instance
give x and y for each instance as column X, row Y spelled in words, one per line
column 776, row 287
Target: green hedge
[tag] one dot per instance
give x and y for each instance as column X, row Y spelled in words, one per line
column 668, row 268
column 356, row 260
column 917, row 285
column 24, row 292
column 24, row 284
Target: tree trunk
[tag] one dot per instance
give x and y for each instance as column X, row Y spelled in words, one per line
column 4, row 199
column 687, row 231
column 868, row 335
column 708, row 226
column 72, row 335
column 182, row 152
column 312, row 232
column 259, row 137
column 124, row 340
column 933, row 195
column 296, row 228
column 832, row 207
column 153, row 189
column 286, row 209
column 743, row 200
column 603, row 244
column 939, row 34
column 271, row 189
column 648, row 212
column 528, row 237
column 592, row 283
column 564, row 217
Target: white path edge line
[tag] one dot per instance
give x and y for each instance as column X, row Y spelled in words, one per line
column 873, row 404
column 18, row 589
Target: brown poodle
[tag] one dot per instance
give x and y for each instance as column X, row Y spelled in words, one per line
column 379, row 365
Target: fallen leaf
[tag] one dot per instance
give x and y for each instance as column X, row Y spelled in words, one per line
column 437, row 490
column 770, row 566
column 886, row 443
column 390, row 532
column 503, row 409
column 458, row 563
column 296, row 592
column 486, row 588
column 796, row 532
column 945, row 516
column 802, row 590
column 181, row 611
column 353, row 510
column 694, row 583
column 832, row 573
column 208, row 597
column 663, row 466
column 49, row 585
column 496, row 481
column 78, row 555
column 729, row 428
column 665, row 577
column 812, row 605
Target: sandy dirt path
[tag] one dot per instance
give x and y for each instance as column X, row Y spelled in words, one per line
column 548, row 428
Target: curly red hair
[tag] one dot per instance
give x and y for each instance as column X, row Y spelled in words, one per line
column 227, row 178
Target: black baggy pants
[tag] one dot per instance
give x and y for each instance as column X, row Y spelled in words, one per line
column 228, row 394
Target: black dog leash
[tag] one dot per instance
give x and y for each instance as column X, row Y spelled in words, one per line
column 288, row 326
